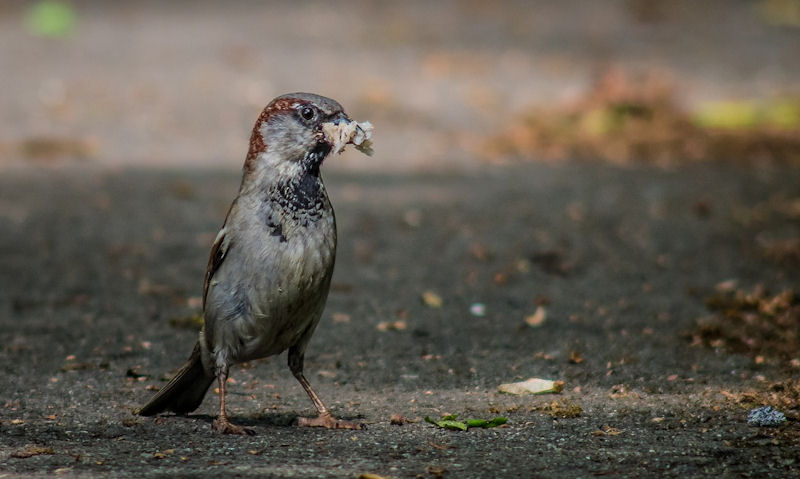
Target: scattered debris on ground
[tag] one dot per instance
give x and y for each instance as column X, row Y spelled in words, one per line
column 783, row 395
column 757, row 323
column 637, row 119
column 532, row 386
column 562, row 409
column 765, row 417
column 451, row 422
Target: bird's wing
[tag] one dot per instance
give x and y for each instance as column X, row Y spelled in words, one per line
column 219, row 251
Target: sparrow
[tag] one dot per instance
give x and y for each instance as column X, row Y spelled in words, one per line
column 270, row 265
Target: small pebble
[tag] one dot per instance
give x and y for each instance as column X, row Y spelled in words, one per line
column 477, row 309
column 765, row 416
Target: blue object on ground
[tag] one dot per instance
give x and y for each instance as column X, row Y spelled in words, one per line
column 765, row 416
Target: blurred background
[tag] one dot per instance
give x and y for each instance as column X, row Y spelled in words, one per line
column 449, row 84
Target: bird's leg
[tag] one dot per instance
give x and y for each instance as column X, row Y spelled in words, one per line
column 222, row 423
column 325, row 418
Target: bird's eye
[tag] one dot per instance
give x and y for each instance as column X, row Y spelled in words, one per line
column 307, row 113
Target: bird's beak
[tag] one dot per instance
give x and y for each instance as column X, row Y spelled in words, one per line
column 341, row 118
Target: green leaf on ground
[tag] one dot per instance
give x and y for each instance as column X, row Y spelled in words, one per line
column 494, row 422
column 450, row 422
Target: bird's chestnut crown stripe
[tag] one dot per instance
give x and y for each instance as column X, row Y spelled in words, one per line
column 256, row 140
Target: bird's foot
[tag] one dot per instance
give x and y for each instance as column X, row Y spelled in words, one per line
column 226, row 427
column 329, row 422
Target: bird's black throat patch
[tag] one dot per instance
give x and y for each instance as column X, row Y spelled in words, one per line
column 312, row 160
column 301, row 198
column 301, row 195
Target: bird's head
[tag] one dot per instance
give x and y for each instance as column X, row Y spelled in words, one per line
column 297, row 131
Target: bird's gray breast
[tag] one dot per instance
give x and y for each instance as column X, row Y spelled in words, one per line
column 274, row 285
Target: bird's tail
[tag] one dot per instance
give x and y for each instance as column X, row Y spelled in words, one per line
column 185, row 392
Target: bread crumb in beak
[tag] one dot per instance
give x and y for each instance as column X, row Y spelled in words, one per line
column 345, row 133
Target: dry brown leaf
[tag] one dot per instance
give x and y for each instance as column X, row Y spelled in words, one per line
column 562, row 409
column 607, row 431
column 399, row 420
column 31, row 451
column 575, row 357
column 431, row 299
column 398, row 325
column 538, row 318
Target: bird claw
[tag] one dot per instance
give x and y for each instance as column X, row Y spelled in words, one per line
column 226, row 427
column 329, row 422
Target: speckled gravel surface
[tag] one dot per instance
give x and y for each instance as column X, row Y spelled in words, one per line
column 98, row 265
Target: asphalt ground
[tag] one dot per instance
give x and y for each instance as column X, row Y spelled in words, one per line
column 102, row 271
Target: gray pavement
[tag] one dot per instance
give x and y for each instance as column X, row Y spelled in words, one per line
column 100, row 269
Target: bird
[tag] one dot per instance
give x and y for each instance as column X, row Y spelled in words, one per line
column 270, row 266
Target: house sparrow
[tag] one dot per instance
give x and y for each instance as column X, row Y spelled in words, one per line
column 270, row 266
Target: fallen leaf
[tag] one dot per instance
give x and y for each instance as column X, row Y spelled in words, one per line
column 31, row 451
column 537, row 318
column 448, row 422
column 451, row 422
column 575, row 357
column 494, row 422
column 431, row 299
column 398, row 325
column 607, row 431
column 399, row 420
column 562, row 409
column 532, row 386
